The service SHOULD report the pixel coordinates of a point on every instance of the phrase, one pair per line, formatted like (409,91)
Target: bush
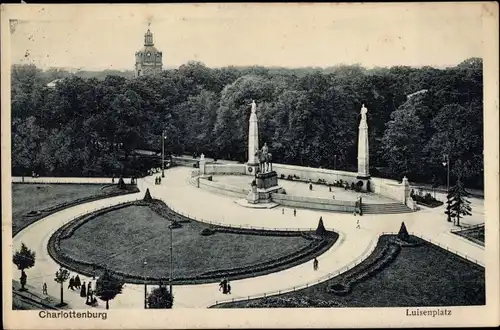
(207,232)
(282,176)
(175,225)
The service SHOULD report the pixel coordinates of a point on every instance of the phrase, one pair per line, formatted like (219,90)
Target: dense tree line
(308,117)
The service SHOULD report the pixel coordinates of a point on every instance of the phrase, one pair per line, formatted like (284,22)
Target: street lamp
(163,137)
(171,263)
(334,162)
(145,284)
(447,164)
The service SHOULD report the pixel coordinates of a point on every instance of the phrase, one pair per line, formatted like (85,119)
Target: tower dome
(148,60)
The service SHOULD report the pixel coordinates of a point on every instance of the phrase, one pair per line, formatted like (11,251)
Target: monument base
(266,184)
(251,169)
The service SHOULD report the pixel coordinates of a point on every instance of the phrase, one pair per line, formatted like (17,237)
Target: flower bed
(317,246)
(385,257)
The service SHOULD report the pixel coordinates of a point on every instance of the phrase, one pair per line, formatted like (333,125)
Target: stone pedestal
(407,190)
(202,164)
(267,180)
(251,168)
(363,150)
(253,136)
(266,184)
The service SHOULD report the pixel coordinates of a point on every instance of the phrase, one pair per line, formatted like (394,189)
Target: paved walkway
(205,206)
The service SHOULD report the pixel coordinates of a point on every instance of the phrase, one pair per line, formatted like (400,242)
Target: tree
(403,233)
(24,259)
(403,140)
(62,276)
(108,286)
(160,298)
(458,205)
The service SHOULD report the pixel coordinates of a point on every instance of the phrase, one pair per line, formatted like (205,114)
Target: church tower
(148,60)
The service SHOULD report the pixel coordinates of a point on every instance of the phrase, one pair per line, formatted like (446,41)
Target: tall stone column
(363,151)
(253,136)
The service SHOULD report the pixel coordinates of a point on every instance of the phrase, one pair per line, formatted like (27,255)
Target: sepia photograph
(249,161)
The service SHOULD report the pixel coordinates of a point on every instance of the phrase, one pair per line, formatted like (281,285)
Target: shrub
(403,233)
(282,176)
(207,232)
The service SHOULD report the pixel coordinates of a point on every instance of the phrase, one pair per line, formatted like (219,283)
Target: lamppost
(145,284)
(447,164)
(171,263)
(334,162)
(163,137)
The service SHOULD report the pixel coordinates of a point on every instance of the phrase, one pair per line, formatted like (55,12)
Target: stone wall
(231,169)
(313,174)
(385,187)
(223,188)
(315,203)
(388,188)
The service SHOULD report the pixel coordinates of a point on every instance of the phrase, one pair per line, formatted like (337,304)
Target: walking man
(283,211)
(315,264)
(294,212)
(44,288)
(358,226)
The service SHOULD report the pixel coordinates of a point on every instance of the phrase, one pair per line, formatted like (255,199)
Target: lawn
(424,275)
(124,238)
(475,235)
(33,197)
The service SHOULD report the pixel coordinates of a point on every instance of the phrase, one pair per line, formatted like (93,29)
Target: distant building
(422,91)
(148,60)
(53,83)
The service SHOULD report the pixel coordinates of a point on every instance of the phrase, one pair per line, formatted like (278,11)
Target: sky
(286,35)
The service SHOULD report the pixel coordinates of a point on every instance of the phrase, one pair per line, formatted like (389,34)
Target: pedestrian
(283,211)
(221,285)
(44,288)
(294,212)
(333,196)
(330,189)
(310,186)
(71,283)
(228,288)
(315,264)
(113,179)
(83,291)
(89,289)
(78,283)
(358,226)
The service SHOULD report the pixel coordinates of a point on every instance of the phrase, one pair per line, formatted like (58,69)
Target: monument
(253,141)
(363,158)
(260,165)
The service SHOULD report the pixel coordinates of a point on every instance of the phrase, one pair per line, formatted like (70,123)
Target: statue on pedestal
(363,112)
(265,158)
(254,106)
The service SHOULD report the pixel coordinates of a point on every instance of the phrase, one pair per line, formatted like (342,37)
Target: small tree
(403,233)
(62,276)
(160,298)
(108,287)
(457,205)
(147,196)
(320,230)
(24,259)
(121,184)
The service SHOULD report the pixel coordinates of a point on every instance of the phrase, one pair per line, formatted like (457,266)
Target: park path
(176,191)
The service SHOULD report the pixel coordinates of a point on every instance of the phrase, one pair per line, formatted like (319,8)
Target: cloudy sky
(287,35)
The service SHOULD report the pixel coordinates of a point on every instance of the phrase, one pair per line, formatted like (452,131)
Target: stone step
(387,208)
